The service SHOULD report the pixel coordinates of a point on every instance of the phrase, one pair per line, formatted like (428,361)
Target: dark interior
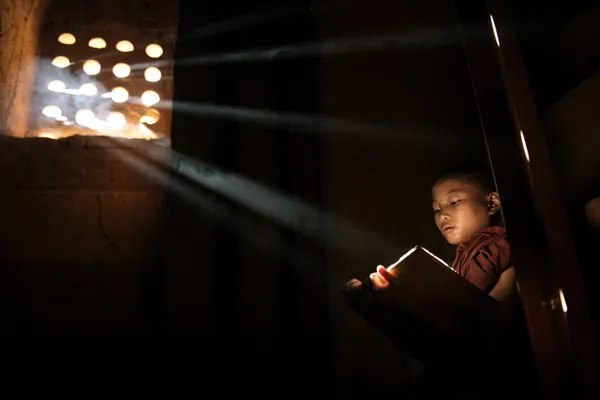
(304,140)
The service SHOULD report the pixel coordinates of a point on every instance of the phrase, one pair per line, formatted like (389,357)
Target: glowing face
(461,209)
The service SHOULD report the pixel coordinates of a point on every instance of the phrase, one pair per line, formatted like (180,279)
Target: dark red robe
(483,257)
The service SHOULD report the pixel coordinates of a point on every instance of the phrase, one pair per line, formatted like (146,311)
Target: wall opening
(100,69)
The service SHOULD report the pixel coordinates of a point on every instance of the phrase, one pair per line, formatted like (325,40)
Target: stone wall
(81,249)
(79,198)
(82,240)
(19,27)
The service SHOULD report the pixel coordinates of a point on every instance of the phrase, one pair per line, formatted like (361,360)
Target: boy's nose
(444,216)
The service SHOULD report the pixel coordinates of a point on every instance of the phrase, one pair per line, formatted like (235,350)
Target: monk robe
(466,366)
(483,257)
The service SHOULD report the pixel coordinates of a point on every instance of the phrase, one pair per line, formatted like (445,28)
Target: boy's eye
(436,210)
(455,202)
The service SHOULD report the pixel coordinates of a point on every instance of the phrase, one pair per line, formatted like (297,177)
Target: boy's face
(461,208)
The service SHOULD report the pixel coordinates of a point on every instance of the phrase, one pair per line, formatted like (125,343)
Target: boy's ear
(493,203)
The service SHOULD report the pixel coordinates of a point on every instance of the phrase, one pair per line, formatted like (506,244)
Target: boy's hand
(382,278)
(351,284)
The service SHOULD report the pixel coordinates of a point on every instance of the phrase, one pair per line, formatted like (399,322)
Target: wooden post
(563,339)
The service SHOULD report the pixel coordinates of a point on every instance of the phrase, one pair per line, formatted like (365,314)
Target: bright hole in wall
(524,144)
(143,128)
(69,115)
(154,51)
(150,97)
(495,31)
(52,111)
(152,74)
(125,46)
(116,120)
(85,117)
(91,67)
(57,86)
(121,70)
(61,62)
(150,117)
(88,89)
(119,94)
(97,43)
(49,135)
(66,38)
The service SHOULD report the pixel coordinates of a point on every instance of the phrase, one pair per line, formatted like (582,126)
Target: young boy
(466,210)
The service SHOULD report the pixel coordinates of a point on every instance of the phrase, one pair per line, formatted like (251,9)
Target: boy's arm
(488,264)
(406,331)
(506,288)
(429,330)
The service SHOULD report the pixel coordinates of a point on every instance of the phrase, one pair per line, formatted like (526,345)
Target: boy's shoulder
(489,249)
(490,236)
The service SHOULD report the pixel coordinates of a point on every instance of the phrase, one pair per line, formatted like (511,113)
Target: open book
(431,312)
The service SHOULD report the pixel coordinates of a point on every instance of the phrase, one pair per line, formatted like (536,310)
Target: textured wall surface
(82,238)
(78,198)
(19,24)
(80,249)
